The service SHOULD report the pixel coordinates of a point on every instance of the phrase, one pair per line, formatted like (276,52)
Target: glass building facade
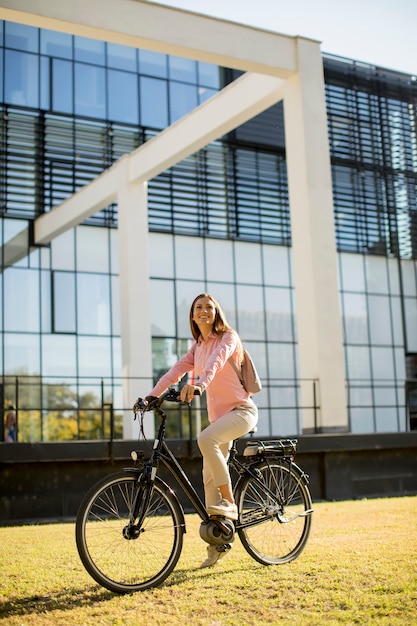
(219,221)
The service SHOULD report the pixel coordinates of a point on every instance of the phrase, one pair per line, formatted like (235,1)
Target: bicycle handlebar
(151,403)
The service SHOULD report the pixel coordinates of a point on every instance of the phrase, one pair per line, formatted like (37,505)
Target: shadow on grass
(62,601)
(76,598)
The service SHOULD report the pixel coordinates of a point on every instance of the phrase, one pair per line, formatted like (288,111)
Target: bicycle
(130,525)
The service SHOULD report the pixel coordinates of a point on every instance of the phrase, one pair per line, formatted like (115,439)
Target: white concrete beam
(98,194)
(320,339)
(16,249)
(235,104)
(162,29)
(135,320)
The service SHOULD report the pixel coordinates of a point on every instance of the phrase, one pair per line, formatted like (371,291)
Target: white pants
(215,442)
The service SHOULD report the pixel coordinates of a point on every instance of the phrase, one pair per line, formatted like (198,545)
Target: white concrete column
(134,299)
(320,339)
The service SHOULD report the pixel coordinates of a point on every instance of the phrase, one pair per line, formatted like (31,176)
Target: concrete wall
(47,481)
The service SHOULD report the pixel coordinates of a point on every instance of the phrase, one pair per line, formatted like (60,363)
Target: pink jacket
(216,376)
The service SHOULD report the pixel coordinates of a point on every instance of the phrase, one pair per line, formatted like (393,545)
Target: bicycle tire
(126,565)
(274,529)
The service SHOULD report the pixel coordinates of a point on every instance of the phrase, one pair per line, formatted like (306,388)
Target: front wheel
(275,512)
(120,556)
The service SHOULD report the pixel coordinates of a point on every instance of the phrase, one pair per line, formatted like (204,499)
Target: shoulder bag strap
(235,367)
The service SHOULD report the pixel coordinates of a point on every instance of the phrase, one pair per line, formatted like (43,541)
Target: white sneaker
(214,554)
(223,507)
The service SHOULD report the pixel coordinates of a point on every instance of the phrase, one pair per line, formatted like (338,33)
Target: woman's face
(204,312)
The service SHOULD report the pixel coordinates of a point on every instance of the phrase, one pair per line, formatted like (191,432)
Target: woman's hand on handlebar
(189,391)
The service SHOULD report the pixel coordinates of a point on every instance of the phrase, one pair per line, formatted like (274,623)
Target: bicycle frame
(161,453)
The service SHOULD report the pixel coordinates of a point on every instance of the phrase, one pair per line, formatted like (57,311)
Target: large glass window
(276,265)
(186,291)
(22,79)
(63,251)
(358,363)
(59,356)
(115,305)
(1,75)
(162,308)
(64,319)
(21,37)
(21,288)
(219,254)
(93,304)
(45,83)
(153,63)
(189,258)
(121,57)
(153,102)
(92,249)
(56,44)
(94,356)
(248,264)
(21,354)
(161,255)
(89,50)
(410,306)
(208,75)
(90,92)
(123,97)
(184,70)
(62,86)
(182,100)
(250,312)
(225,296)
(355,318)
(279,315)
(380,320)
(164,356)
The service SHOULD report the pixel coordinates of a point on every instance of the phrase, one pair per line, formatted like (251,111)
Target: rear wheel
(274,513)
(118,555)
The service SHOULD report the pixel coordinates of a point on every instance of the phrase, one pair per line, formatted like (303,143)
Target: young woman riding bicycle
(231,410)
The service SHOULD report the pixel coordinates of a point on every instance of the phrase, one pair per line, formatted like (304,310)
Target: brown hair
(220,325)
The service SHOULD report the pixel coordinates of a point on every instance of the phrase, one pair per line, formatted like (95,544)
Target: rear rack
(279,447)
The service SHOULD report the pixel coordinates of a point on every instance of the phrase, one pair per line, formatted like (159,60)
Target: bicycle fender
(304,477)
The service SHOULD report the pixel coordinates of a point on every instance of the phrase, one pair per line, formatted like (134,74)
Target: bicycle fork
(141,502)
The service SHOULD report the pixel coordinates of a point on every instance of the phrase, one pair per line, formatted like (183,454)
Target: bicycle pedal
(224,548)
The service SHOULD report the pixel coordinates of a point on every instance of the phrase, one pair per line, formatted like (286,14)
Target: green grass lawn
(359,567)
